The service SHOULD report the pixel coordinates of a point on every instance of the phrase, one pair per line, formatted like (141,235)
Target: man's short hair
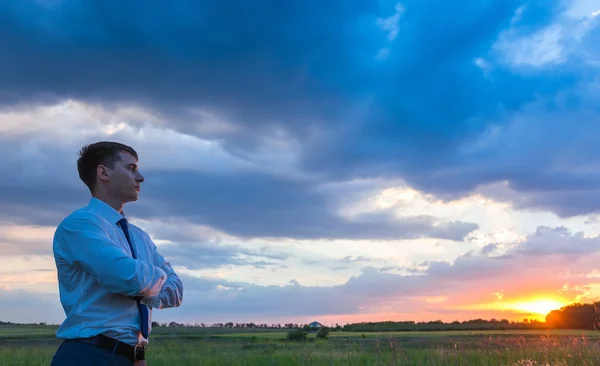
(99,153)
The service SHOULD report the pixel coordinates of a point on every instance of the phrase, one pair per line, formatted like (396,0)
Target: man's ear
(103,173)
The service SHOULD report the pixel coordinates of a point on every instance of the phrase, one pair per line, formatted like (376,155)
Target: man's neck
(112,202)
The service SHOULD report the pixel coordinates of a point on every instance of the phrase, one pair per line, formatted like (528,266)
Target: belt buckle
(139,352)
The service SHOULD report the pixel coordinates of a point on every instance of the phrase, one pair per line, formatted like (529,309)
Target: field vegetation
(476,342)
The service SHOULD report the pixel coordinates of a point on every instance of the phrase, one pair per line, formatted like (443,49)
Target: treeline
(575,316)
(438,325)
(249,325)
(4,323)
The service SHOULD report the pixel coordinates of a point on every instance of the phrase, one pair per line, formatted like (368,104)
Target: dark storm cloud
(313,71)
(268,63)
(250,205)
(42,187)
(255,62)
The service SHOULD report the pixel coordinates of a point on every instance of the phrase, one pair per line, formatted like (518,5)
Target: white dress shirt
(97,275)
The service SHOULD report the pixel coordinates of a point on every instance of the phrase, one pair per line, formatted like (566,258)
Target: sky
(339,161)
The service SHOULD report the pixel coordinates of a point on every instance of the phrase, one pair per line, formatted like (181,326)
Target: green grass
(30,345)
(433,334)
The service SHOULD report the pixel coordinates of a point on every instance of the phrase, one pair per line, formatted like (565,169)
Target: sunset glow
(532,308)
(538,306)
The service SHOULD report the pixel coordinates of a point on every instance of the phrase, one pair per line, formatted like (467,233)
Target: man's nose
(140,177)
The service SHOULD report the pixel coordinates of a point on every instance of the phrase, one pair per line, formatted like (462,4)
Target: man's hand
(139,363)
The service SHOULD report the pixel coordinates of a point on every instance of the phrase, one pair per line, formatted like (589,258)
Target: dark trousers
(74,352)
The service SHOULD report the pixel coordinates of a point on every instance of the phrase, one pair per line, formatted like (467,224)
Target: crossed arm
(86,243)
(171,293)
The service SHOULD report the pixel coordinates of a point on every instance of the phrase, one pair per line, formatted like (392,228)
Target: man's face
(124,179)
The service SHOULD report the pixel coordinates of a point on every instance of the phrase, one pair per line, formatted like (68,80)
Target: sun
(533,308)
(538,306)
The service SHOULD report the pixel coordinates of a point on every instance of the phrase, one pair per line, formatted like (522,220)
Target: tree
(297,335)
(575,316)
(323,333)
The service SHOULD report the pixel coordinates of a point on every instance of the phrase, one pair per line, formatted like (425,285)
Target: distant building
(315,325)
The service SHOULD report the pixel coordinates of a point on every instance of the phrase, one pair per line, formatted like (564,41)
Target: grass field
(34,345)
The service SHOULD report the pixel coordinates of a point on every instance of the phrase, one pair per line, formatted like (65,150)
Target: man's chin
(133,198)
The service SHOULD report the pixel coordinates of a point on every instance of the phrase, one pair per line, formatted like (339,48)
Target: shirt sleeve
(85,243)
(171,294)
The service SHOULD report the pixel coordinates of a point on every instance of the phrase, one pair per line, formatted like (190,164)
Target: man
(110,273)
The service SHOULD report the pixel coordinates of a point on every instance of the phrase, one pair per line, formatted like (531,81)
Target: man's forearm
(171,293)
(170,296)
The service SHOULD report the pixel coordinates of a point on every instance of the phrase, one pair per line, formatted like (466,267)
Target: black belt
(133,353)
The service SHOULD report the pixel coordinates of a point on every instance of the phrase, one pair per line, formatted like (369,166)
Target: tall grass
(509,350)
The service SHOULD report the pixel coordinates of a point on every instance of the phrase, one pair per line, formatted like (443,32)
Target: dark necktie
(143,309)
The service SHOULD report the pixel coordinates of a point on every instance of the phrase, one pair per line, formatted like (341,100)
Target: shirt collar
(105,210)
